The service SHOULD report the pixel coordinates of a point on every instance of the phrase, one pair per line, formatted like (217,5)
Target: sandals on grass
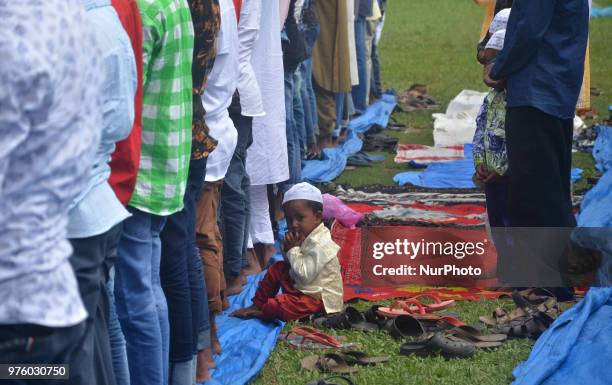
(340,362)
(438,344)
(350,318)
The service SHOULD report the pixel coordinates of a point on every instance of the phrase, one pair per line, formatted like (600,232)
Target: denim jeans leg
(53,346)
(157,225)
(137,301)
(298,112)
(234,204)
(312,98)
(308,133)
(181,373)
(293,151)
(360,91)
(117,340)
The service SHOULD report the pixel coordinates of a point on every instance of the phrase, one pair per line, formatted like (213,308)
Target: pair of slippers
(536,309)
(416,308)
(341,362)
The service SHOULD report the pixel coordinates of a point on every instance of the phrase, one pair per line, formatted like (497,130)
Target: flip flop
(330,362)
(324,381)
(477,344)
(474,334)
(405,326)
(316,336)
(502,317)
(398,308)
(437,344)
(437,305)
(353,357)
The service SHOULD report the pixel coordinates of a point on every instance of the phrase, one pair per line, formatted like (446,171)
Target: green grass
(433,42)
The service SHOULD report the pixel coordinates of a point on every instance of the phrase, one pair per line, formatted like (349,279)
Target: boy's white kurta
(220,87)
(267,157)
(315,269)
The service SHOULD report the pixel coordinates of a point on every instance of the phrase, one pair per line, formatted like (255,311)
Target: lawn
(433,42)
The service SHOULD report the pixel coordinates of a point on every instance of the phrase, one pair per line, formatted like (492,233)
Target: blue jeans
(235,206)
(341,112)
(140,300)
(298,111)
(293,138)
(360,91)
(117,340)
(181,270)
(309,102)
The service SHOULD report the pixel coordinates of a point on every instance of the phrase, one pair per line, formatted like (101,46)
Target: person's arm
(248,30)
(306,265)
(529,21)
(152,31)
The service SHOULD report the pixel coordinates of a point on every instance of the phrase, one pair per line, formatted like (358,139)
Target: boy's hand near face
(292,239)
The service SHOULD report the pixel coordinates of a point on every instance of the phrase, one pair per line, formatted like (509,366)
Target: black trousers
(540,160)
(539,199)
(91,362)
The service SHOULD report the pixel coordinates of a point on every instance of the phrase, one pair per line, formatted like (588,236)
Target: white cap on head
(496,41)
(500,21)
(304,191)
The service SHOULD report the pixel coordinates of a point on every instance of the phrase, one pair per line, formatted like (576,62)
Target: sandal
(438,345)
(405,326)
(330,362)
(315,335)
(371,315)
(403,308)
(350,318)
(324,381)
(437,305)
(353,357)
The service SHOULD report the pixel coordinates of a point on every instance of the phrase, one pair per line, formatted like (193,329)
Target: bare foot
(253,267)
(247,312)
(234,286)
(324,142)
(243,278)
(264,253)
(202,373)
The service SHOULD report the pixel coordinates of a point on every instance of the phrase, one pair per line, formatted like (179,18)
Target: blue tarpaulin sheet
(576,349)
(247,344)
(452,174)
(334,159)
(601,11)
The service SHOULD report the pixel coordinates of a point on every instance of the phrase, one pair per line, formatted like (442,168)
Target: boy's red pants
(292,304)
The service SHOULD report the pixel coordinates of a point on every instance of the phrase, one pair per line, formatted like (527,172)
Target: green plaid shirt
(167,106)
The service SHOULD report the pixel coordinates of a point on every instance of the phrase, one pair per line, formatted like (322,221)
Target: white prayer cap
(500,21)
(496,41)
(304,191)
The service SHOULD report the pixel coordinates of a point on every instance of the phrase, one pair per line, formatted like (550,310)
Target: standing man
(50,124)
(160,187)
(94,223)
(542,62)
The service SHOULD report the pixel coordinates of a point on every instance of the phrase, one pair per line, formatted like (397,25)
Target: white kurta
(352,46)
(220,87)
(267,161)
(248,31)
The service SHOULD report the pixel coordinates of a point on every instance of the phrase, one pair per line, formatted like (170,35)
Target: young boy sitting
(489,143)
(310,274)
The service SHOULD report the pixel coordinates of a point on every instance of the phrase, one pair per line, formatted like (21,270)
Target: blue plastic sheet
(576,349)
(601,11)
(334,159)
(247,344)
(453,174)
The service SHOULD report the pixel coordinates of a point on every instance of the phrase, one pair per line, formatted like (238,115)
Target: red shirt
(126,158)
